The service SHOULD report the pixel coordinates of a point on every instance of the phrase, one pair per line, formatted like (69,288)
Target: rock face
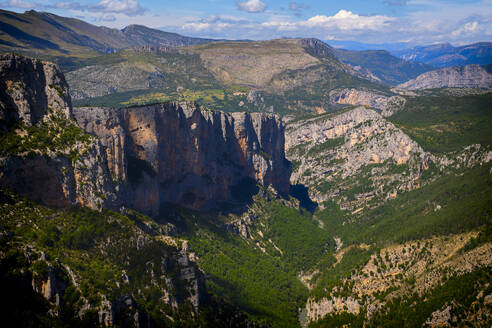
(470,76)
(388,105)
(49,160)
(179,153)
(340,157)
(28,88)
(426,261)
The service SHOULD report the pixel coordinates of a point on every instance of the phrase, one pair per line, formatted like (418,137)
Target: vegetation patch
(447,123)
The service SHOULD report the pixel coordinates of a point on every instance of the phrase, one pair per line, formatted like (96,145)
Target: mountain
(382,182)
(389,204)
(469,76)
(43,148)
(138,35)
(446,55)
(138,154)
(283,76)
(51,35)
(382,64)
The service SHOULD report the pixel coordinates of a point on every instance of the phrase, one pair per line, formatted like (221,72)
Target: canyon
(142,157)
(164,181)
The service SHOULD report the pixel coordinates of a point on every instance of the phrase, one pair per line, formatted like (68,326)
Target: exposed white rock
(470,76)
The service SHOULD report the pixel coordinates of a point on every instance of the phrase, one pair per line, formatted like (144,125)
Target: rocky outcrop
(179,153)
(415,267)
(29,88)
(316,310)
(387,104)
(470,76)
(169,270)
(44,155)
(358,150)
(56,180)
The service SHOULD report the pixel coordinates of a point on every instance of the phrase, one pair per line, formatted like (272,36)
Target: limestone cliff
(142,157)
(44,155)
(179,153)
(137,158)
(28,88)
(353,157)
(388,105)
(470,76)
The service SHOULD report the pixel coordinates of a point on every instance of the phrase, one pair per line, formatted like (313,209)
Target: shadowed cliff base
(301,193)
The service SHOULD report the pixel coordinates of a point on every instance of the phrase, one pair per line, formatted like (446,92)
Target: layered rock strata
(179,153)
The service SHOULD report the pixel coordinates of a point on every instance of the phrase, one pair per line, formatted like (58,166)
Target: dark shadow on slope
(300,192)
(29,39)
(244,190)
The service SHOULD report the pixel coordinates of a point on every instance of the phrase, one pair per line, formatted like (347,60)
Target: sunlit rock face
(181,154)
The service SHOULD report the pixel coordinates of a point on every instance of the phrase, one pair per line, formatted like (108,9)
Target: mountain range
(446,55)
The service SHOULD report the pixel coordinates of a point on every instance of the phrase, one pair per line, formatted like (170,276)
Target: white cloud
(252,6)
(209,27)
(214,23)
(343,20)
(347,20)
(127,7)
(468,28)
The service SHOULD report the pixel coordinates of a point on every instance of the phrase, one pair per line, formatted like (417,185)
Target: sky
(366,21)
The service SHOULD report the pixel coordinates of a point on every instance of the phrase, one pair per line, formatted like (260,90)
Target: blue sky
(368,21)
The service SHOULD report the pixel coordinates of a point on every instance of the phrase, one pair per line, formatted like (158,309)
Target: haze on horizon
(412,22)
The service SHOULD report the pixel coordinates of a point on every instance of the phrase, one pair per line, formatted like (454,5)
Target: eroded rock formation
(470,76)
(179,153)
(44,155)
(139,157)
(387,104)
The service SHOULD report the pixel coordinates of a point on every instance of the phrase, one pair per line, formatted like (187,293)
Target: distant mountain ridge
(388,68)
(446,55)
(469,76)
(49,34)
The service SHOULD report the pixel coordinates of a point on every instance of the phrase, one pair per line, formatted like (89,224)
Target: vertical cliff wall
(29,88)
(179,153)
(44,155)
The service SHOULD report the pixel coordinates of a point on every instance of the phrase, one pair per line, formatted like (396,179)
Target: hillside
(383,186)
(53,36)
(446,55)
(469,76)
(387,68)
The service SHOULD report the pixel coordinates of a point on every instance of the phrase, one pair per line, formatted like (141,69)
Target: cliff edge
(140,157)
